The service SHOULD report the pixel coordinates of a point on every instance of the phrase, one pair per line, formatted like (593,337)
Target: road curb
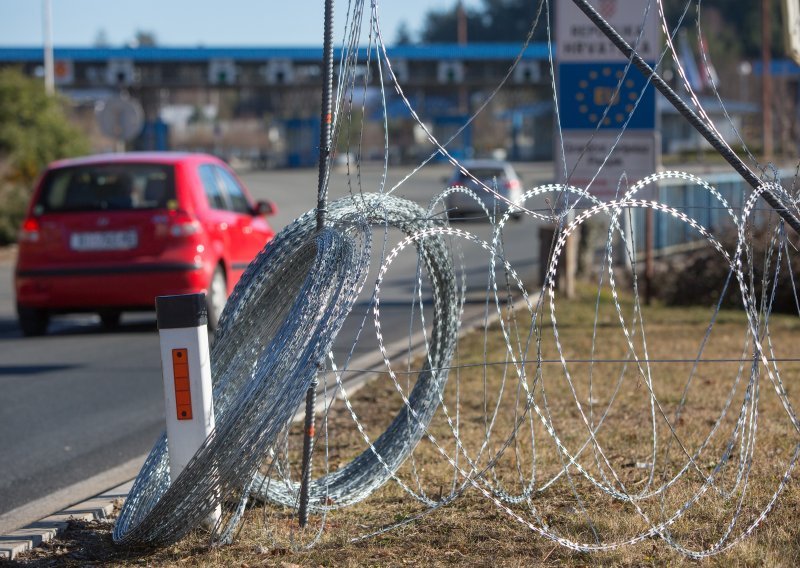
(94,509)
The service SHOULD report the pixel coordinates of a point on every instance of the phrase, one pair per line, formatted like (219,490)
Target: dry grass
(473,531)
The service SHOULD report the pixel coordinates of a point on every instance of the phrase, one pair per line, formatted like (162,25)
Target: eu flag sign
(592,94)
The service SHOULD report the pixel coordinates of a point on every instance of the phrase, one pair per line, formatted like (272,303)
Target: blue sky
(198,22)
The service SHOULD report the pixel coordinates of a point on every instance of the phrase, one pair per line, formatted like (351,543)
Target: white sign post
(607,109)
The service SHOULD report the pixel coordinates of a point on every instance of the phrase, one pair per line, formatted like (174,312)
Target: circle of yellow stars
(602,96)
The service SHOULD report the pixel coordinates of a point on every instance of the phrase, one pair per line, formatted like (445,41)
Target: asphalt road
(82,401)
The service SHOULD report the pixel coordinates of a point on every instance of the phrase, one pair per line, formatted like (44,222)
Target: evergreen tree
(510,21)
(496,21)
(34,130)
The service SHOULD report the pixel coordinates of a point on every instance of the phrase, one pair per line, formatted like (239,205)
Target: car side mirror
(265,207)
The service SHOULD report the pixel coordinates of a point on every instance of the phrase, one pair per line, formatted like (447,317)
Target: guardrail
(672,235)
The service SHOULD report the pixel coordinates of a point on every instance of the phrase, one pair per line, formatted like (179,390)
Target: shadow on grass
(89,543)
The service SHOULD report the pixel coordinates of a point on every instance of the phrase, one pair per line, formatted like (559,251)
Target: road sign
(120,119)
(64,72)
(599,95)
(632,155)
(579,40)
(587,89)
(791,28)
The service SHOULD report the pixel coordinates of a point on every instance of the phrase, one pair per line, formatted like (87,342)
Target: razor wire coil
(371,469)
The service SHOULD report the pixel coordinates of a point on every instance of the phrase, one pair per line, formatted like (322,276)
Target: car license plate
(103,240)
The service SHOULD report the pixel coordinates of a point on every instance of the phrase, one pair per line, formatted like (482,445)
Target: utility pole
(47,31)
(461,34)
(766,78)
(461,17)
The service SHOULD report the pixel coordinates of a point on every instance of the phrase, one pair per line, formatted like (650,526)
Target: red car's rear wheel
(32,321)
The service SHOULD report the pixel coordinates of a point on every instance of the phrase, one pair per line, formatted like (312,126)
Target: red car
(109,233)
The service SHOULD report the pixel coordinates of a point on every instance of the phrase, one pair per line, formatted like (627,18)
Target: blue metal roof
(470,51)
(476,51)
(32,54)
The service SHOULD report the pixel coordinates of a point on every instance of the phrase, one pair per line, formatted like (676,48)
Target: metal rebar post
(308,442)
(326,118)
(322,197)
(729,156)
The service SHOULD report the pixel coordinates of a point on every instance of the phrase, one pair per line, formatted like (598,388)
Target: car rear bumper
(128,286)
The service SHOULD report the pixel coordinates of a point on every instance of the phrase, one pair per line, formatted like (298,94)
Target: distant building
(210,89)
(261,103)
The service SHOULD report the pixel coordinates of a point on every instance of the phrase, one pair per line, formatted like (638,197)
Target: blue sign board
(586,89)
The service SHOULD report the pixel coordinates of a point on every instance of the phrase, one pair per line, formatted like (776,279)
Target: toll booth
(302,142)
(154,136)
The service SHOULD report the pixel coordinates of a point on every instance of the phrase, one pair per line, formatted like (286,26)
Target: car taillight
(181,224)
(29,232)
(512,184)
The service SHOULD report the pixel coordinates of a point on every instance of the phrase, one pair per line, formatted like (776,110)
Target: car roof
(499,164)
(135,158)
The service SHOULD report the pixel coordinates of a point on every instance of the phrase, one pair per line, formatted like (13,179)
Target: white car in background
(497,175)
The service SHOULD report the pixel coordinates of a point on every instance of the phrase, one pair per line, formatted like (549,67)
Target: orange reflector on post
(183,394)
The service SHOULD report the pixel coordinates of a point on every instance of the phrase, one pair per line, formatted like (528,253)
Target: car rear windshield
(483,174)
(99,187)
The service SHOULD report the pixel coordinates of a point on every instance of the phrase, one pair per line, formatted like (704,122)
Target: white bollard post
(186,369)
